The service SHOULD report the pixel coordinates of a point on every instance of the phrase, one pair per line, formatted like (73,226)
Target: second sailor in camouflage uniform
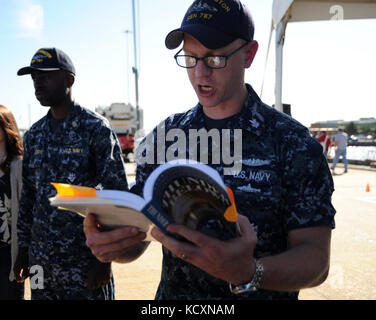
(69,145)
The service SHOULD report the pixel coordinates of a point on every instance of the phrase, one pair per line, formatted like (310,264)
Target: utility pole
(134,69)
(127,32)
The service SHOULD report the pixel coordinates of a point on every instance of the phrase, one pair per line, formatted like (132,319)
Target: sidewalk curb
(356,167)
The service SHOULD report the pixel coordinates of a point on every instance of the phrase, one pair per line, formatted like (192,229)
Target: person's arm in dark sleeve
(109,174)
(25,218)
(109,164)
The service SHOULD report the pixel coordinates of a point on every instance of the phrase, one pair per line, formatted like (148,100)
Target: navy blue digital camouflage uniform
(284,184)
(85,151)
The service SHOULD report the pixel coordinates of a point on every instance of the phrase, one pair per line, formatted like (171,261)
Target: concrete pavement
(353,257)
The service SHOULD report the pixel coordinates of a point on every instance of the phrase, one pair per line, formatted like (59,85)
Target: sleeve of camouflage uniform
(25,218)
(109,164)
(149,154)
(143,171)
(146,159)
(308,184)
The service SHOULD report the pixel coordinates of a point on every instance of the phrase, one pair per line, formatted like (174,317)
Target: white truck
(123,119)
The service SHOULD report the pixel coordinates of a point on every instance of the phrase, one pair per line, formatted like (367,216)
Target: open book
(183,192)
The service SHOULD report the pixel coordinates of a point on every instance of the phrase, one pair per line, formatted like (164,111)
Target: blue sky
(329,67)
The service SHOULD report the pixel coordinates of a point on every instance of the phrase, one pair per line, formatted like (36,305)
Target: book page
(120,211)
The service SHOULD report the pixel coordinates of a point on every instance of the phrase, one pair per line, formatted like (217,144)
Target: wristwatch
(253,285)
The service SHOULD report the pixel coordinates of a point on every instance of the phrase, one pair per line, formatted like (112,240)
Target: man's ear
(251,50)
(70,79)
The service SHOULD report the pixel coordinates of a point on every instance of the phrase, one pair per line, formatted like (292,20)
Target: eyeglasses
(212,62)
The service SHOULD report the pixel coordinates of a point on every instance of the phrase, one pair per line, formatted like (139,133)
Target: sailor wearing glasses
(282,191)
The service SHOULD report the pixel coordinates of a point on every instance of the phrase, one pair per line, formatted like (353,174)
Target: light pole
(127,32)
(135,68)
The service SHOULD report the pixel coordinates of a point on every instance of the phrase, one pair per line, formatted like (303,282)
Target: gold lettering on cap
(205,15)
(47,54)
(223,4)
(192,16)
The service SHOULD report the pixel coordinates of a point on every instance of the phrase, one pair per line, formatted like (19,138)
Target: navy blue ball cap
(215,23)
(49,59)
